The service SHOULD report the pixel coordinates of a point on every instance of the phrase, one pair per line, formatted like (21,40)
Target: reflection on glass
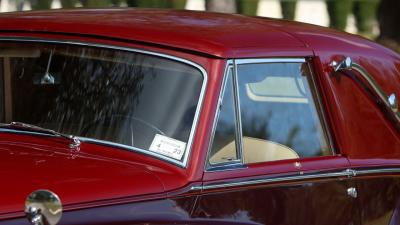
(279,118)
(111,95)
(224,147)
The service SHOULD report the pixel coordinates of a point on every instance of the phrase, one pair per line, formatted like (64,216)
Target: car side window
(224,145)
(278,115)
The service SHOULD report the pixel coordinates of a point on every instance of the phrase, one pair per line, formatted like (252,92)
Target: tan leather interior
(255,150)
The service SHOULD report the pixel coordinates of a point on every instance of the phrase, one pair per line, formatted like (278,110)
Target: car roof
(213,34)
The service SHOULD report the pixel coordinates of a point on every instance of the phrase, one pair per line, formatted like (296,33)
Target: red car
(124,116)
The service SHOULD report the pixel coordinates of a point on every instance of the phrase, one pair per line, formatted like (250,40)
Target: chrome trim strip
(188,149)
(234,164)
(238,116)
(376,88)
(270,60)
(26,132)
(348,173)
(389,101)
(276,179)
(377,171)
(228,66)
(130,148)
(85,139)
(196,188)
(231,165)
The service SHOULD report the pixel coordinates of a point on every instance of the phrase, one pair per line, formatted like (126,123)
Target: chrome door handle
(352,192)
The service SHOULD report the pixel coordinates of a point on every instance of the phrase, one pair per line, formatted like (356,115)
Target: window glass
(278,113)
(224,146)
(135,99)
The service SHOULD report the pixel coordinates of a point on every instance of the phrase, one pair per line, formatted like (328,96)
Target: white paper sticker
(168,146)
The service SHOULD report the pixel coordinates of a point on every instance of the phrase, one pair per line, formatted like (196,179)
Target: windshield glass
(140,100)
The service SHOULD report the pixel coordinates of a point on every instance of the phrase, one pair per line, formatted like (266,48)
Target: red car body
(102,184)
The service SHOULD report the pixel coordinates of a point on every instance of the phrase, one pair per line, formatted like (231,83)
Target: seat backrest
(255,150)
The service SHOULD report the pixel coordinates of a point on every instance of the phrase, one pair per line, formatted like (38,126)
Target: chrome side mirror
(390,101)
(345,64)
(43,207)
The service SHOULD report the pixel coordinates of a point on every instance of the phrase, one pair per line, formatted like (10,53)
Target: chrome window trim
(5,130)
(345,174)
(182,163)
(239,132)
(208,166)
(376,171)
(270,60)
(316,94)
(231,165)
(367,82)
(235,62)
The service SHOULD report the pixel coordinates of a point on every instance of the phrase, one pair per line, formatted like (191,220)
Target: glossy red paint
(214,34)
(362,136)
(101,178)
(379,191)
(79,177)
(165,176)
(368,134)
(174,211)
(283,203)
(204,130)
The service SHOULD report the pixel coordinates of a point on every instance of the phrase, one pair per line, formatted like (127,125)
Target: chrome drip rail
(389,101)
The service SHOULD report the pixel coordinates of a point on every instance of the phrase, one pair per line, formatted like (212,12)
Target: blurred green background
(374,19)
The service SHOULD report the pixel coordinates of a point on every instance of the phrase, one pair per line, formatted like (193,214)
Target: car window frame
(316,96)
(234,163)
(189,146)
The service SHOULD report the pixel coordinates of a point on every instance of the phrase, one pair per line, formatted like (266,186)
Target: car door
(373,147)
(272,160)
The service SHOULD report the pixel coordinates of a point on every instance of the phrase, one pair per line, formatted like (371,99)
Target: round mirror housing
(43,207)
(347,63)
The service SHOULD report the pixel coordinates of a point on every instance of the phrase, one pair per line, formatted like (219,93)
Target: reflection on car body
(180,117)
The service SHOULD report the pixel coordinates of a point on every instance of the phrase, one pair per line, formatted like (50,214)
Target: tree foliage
(389,18)
(96,3)
(177,4)
(365,14)
(338,11)
(247,7)
(41,4)
(68,3)
(46,4)
(288,8)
